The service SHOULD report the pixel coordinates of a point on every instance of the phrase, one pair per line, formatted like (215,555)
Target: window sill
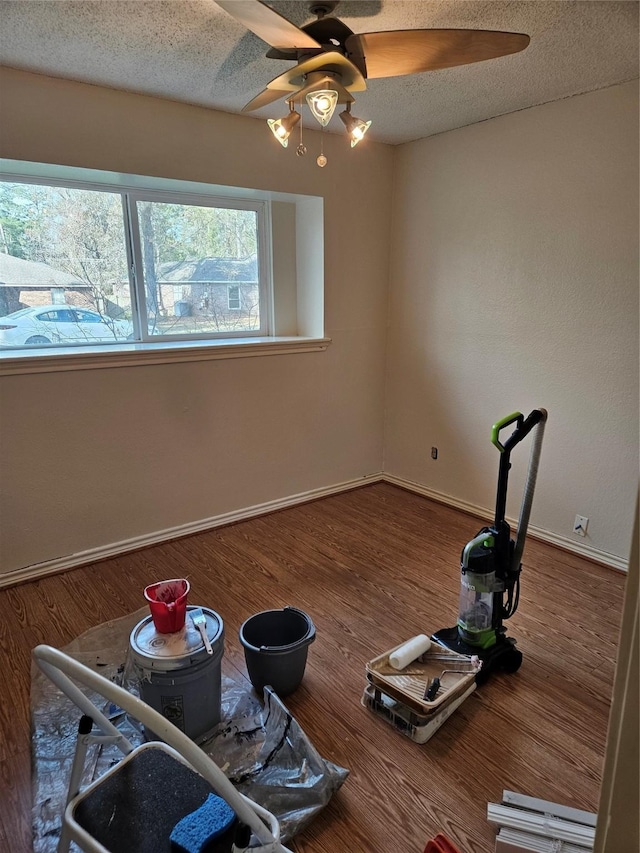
(133,355)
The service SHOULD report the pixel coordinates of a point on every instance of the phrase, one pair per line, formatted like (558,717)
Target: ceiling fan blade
(267,24)
(397,52)
(267,96)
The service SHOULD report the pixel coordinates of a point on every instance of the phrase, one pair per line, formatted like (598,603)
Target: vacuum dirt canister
(480,592)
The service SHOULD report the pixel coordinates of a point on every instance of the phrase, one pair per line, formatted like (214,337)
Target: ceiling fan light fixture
(322,104)
(356,127)
(282,127)
(359,131)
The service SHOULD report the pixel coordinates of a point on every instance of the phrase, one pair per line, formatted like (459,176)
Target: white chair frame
(60,669)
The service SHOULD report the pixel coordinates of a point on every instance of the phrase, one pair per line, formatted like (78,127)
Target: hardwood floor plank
(372,567)
(15,800)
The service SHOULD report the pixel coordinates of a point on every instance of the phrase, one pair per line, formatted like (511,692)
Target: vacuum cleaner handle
(500,425)
(529,487)
(509,558)
(522,430)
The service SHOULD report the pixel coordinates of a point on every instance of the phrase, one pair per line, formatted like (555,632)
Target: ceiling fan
(333,61)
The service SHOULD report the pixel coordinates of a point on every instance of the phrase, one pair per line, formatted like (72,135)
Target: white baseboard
(115,549)
(563,542)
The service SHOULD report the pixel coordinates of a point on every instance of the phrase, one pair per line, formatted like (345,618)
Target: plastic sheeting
(261,748)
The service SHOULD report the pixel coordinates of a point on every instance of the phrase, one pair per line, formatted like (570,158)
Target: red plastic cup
(168,604)
(440,844)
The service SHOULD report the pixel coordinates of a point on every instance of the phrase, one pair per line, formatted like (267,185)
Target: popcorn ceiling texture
(193,51)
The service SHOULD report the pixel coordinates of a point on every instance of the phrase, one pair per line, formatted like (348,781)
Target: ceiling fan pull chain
(301,150)
(322,160)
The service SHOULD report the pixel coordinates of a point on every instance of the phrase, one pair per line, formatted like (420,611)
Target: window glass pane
(62,246)
(191,256)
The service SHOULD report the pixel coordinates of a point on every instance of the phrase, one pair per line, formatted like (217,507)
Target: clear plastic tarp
(260,747)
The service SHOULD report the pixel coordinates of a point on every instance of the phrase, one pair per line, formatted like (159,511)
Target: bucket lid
(181,649)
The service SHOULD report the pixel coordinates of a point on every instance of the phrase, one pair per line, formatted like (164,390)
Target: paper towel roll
(409,651)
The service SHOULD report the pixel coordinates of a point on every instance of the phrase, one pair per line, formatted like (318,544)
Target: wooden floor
(372,567)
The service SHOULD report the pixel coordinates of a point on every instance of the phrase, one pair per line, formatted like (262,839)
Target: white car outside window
(54,324)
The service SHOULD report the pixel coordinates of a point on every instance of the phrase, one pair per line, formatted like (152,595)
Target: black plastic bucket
(276,643)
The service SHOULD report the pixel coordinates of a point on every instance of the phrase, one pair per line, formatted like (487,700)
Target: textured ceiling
(193,51)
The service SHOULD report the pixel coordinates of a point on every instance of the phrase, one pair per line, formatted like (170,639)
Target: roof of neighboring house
(210,270)
(16,272)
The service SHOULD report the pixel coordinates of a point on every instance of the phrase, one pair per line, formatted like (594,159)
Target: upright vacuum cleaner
(490,563)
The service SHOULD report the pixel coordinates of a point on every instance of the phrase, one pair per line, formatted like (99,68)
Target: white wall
(95,457)
(514,284)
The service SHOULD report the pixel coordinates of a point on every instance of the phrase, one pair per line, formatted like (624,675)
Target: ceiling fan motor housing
(321,9)
(330,34)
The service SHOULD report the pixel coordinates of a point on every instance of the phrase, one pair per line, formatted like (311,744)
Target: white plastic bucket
(178,678)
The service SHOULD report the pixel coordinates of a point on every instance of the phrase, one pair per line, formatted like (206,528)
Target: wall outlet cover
(580,525)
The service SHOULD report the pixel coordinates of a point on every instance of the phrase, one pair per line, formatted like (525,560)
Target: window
(142,266)
(201,248)
(233,298)
(174,270)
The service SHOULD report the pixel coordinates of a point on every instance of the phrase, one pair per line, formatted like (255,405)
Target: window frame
(136,270)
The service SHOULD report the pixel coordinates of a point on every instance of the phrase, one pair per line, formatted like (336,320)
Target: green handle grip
(500,425)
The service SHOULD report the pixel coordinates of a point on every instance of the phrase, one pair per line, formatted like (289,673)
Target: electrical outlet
(580,525)
(434,452)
